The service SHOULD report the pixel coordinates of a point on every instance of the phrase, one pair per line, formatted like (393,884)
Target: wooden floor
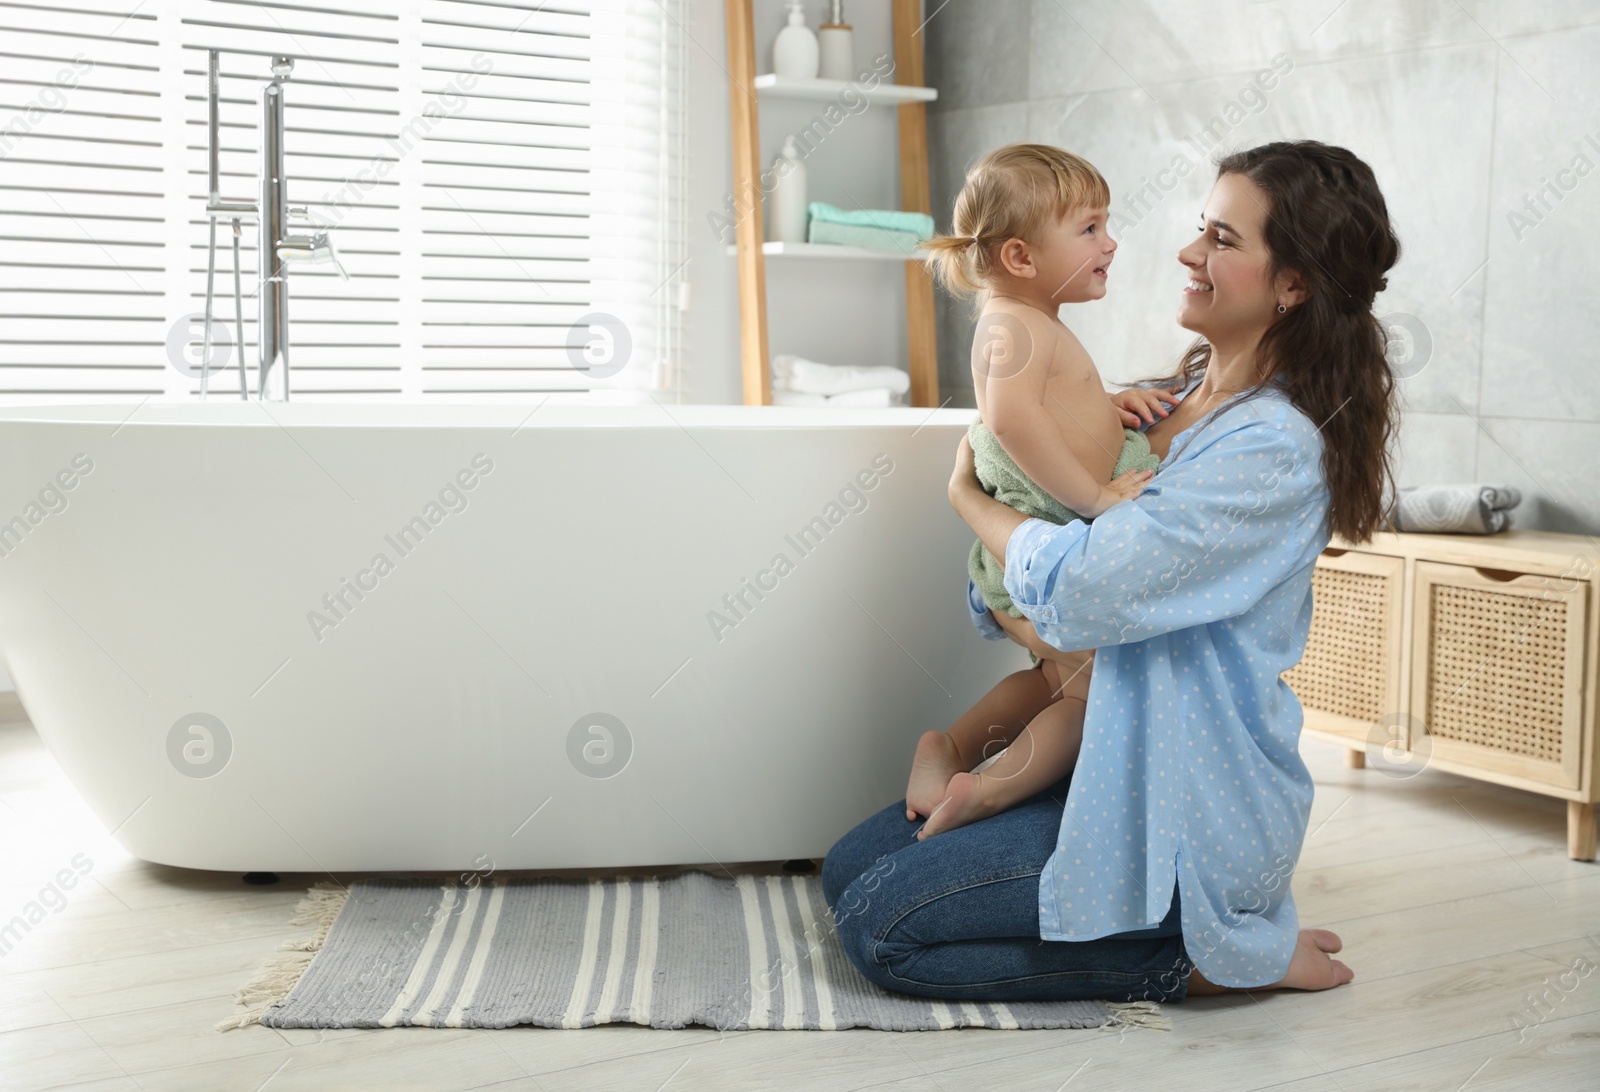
(1459,909)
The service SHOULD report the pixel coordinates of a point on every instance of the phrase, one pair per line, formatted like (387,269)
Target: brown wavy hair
(1326,221)
(1011,193)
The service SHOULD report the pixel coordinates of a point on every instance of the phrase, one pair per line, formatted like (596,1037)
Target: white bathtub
(536,678)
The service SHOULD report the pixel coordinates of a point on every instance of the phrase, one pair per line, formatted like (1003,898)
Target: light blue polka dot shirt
(1197,595)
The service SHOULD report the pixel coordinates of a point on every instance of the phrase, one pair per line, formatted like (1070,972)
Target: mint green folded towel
(1003,480)
(919,224)
(902,243)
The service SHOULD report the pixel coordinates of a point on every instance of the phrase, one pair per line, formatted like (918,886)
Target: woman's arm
(994,522)
(1243,508)
(990,519)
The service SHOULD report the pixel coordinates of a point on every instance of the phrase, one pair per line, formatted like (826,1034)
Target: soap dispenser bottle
(795,53)
(835,38)
(789,200)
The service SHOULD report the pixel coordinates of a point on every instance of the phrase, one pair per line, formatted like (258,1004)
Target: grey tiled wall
(1481,119)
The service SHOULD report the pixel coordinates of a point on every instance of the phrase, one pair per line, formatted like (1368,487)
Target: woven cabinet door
(1349,679)
(1497,670)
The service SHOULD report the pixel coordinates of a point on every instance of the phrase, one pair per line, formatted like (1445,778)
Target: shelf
(831,250)
(749,97)
(791,87)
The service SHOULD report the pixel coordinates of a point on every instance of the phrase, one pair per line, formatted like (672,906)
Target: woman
(1167,867)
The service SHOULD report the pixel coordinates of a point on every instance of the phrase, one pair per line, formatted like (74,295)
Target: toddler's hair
(1011,193)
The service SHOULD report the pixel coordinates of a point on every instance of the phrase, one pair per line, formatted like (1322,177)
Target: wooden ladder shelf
(915,196)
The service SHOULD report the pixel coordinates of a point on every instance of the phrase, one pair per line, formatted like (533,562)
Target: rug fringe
(278,975)
(1137,1014)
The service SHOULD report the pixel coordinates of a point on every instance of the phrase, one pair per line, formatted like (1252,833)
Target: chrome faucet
(276,250)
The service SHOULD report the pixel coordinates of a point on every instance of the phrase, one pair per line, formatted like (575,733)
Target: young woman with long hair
(1166,869)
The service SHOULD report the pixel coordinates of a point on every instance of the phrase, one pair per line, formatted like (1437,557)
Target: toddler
(1029,235)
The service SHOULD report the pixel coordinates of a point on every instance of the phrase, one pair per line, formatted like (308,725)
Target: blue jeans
(956,916)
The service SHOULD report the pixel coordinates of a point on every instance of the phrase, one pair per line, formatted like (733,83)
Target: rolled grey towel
(1474,509)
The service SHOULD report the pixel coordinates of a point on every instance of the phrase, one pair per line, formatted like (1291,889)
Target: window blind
(502,180)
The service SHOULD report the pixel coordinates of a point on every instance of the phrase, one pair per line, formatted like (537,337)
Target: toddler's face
(1074,255)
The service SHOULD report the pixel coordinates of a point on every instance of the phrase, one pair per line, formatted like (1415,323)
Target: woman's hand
(1138,405)
(992,521)
(1022,632)
(964,478)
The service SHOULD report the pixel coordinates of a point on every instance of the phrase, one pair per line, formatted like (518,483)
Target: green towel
(1003,480)
(890,242)
(919,224)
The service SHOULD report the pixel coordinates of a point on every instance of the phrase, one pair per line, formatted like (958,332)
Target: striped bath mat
(665,951)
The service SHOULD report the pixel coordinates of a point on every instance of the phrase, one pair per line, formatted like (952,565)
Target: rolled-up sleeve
(1207,539)
(981,617)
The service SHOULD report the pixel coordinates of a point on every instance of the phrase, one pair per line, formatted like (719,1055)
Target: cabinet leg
(1356,760)
(1580,830)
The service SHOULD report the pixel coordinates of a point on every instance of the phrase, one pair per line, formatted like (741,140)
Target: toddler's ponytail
(957,262)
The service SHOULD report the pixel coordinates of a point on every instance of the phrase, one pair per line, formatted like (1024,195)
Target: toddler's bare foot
(1309,969)
(964,802)
(936,761)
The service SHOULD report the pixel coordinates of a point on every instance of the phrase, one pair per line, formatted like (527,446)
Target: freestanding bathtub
(427,637)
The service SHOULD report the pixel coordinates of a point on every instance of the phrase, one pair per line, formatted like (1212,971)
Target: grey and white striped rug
(663,951)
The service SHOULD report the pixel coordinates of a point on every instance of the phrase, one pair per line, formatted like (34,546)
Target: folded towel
(1005,482)
(1501,496)
(872,399)
(1474,509)
(794,373)
(919,224)
(903,243)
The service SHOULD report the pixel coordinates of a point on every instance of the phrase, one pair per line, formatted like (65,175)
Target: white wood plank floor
(1459,910)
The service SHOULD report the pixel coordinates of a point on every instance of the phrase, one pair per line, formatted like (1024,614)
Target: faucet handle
(322,242)
(316,248)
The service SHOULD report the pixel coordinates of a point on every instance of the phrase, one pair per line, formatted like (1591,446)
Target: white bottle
(786,221)
(794,51)
(838,49)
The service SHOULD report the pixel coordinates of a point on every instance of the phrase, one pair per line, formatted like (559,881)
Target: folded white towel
(795,373)
(872,399)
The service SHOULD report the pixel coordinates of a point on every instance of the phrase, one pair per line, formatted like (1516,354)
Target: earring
(1281,308)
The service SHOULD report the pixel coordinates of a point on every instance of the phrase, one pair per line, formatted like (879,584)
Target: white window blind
(503,180)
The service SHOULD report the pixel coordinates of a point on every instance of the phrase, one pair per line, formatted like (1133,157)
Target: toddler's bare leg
(1072,670)
(1041,755)
(997,719)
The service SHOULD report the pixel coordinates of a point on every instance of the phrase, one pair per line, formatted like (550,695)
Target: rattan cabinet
(1471,654)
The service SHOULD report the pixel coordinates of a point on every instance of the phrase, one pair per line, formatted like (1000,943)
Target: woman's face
(1229,297)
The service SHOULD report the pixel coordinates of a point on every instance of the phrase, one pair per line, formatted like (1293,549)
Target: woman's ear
(1290,289)
(1016,259)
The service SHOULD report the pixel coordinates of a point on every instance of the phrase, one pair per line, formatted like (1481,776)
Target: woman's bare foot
(936,761)
(1309,968)
(965,801)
